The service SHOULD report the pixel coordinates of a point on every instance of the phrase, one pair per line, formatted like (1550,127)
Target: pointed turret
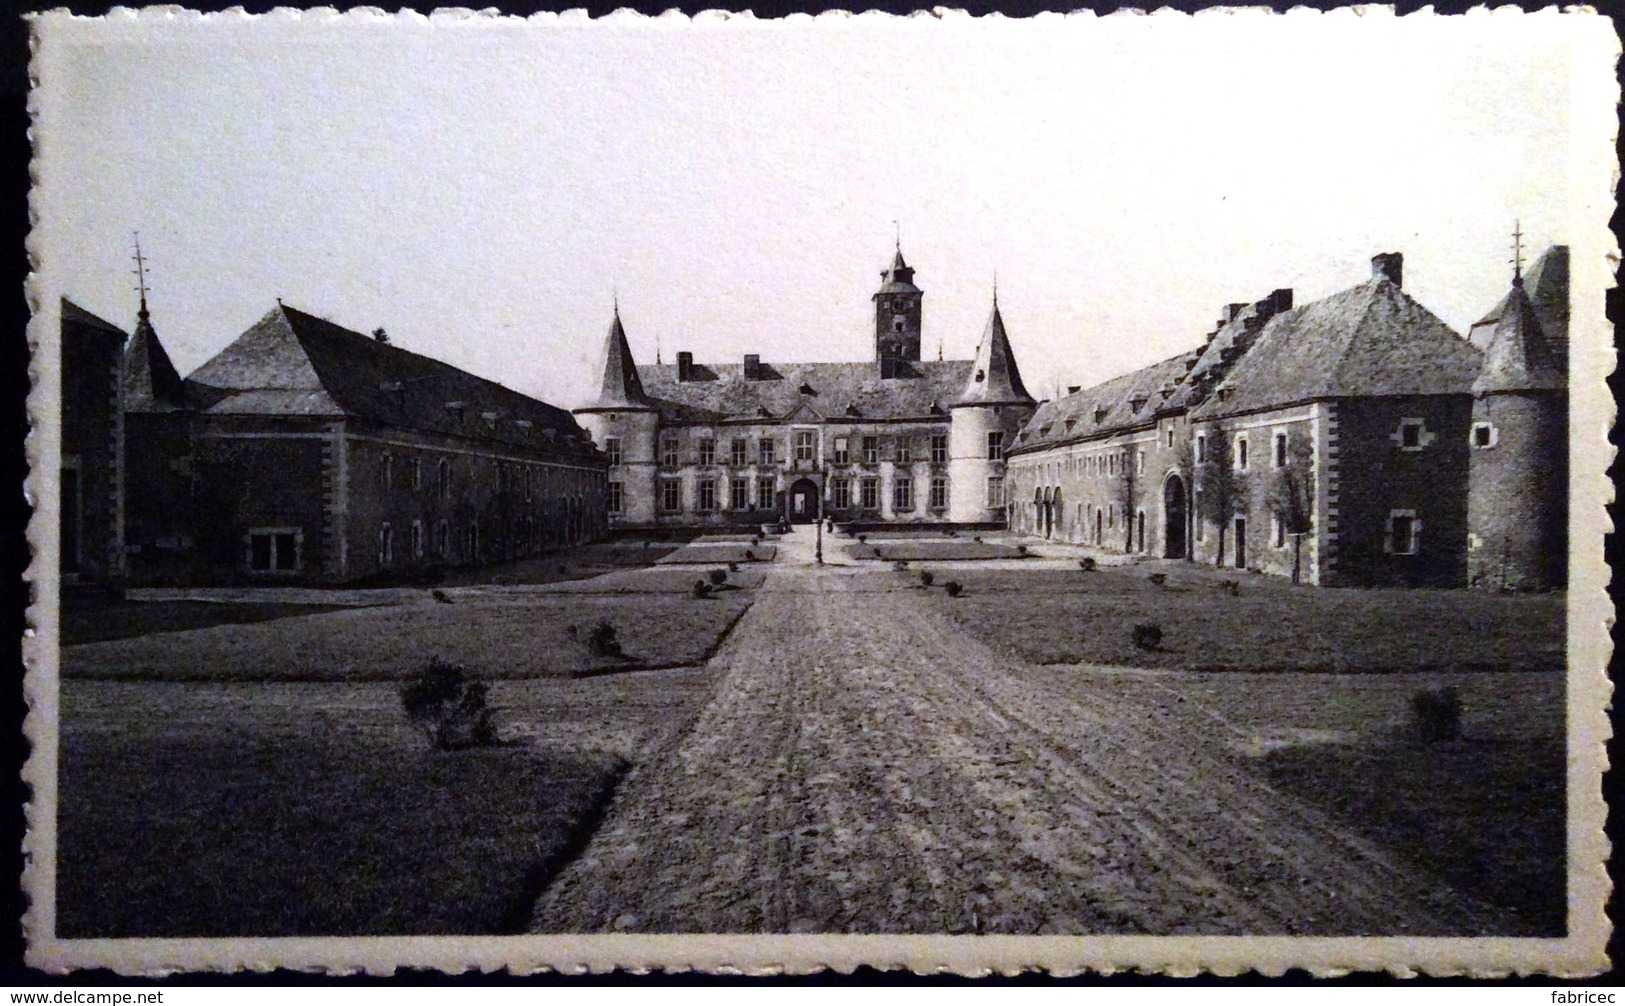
(1518,357)
(151,382)
(995,379)
(621,389)
(897,318)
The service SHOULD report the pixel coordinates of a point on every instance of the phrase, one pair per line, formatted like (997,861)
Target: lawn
(574,564)
(513,636)
(721,552)
(281,809)
(103,620)
(1063,616)
(934,551)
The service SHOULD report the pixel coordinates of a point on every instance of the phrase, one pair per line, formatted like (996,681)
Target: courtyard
(837,748)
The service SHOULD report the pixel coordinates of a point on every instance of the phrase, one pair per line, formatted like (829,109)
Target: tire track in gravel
(865,765)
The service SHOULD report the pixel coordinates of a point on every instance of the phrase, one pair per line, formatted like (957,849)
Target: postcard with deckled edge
(1081,493)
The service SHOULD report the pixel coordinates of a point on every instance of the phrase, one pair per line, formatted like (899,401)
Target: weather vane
(140,273)
(1517,251)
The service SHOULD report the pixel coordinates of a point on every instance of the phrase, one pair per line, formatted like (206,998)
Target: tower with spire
(1518,471)
(991,408)
(897,317)
(625,425)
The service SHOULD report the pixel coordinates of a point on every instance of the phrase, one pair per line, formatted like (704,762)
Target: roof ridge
(1335,371)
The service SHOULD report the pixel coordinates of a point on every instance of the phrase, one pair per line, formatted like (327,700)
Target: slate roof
(73,314)
(1518,358)
(293,363)
(1372,339)
(837,391)
(621,388)
(1101,409)
(897,278)
(1547,284)
(151,382)
(995,379)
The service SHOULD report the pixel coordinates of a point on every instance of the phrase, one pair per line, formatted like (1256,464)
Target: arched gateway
(1175,518)
(802,502)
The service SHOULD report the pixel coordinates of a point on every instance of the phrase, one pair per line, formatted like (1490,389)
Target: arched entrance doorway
(802,502)
(1175,518)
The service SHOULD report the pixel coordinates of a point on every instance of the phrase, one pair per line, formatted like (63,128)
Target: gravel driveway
(868,766)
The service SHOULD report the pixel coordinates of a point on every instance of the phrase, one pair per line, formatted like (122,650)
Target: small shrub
(442,596)
(978,538)
(448,708)
(926,576)
(1148,635)
(953,587)
(1088,564)
(863,538)
(1021,549)
(1157,578)
(750,556)
(1231,587)
(1436,713)
(603,641)
(702,589)
(718,577)
(733,567)
(899,565)
(563,569)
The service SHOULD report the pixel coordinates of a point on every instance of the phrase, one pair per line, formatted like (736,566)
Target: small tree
(1291,495)
(449,708)
(1222,484)
(379,335)
(1127,493)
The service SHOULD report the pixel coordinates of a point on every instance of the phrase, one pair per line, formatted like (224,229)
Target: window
(442,538)
(905,453)
(1196,508)
(1484,435)
(1277,532)
(1170,441)
(995,446)
(902,495)
(739,494)
(708,495)
(671,495)
(668,452)
(414,466)
(806,445)
(995,491)
(840,493)
(417,539)
(443,477)
(764,494)
(1403,531)
(273,549)
(1201,448)
(841,456)
(871,450)
(939,449)
(708,451)
(1280,449)
(1139,462)
(939,493)
(616,502)
(387,472)
(1241,453)
(1111,464)
(612,447)
(386,545)
(1111,515)
(737,452)
(1412,435)
(766,449)
(869,491)
(529,475)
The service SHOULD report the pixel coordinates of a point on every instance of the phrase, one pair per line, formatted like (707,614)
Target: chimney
(1282,299)
(753,366)
(685,365)
(1231,310)
(1389,266)
(1073,389)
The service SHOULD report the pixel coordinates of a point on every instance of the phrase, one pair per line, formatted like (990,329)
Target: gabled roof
(1372,339)
(836,391)
(1102,409)
(621,388)
(1518,358)
(151,382)
(994,378)
(73,314)
(293,363)
(1546,283)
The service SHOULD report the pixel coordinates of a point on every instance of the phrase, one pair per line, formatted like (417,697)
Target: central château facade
(893,440)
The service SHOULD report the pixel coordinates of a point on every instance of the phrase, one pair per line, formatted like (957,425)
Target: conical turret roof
(621,388)
(151,382)
(994,378)
(1518,358)
(897,277)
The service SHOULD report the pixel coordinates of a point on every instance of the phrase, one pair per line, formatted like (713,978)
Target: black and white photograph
(945,492)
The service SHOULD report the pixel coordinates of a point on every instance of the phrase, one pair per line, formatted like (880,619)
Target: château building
(895,439)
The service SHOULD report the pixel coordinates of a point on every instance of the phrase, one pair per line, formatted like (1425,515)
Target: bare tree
(1128,485)
(1291,495)
(1223,485)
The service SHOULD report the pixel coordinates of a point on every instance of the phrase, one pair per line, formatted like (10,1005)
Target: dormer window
(1100,414)
(981,375)
(852,410)
(1070,423)
(1136,403)
(807,389)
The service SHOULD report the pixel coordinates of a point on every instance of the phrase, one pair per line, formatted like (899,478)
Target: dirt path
(867,766)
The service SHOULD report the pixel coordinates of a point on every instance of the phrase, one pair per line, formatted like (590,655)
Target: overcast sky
(483,189)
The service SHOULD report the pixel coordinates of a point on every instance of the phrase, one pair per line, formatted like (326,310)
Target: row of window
(806,449)
(840,494)
(510,475)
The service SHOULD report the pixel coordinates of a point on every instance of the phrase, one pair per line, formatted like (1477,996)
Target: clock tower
(897,319)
